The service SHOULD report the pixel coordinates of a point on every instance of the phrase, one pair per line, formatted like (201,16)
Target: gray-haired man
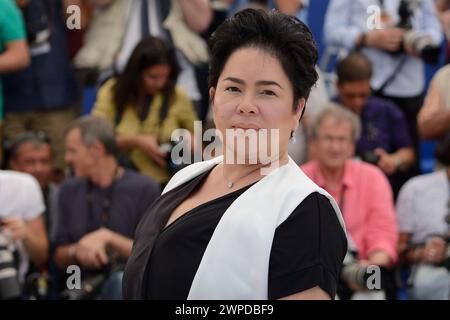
(100,207)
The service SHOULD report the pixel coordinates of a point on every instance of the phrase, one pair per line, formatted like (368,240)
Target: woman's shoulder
(311,207)
(313,214)
(308,249)
(191,171)
(180,96)
(108,85)
(180,92)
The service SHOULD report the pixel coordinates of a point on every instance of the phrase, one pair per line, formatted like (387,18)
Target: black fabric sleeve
(307,250)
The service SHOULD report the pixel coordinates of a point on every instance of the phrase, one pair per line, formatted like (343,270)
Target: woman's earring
(293,139)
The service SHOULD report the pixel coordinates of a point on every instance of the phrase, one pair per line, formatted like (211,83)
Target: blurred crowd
(77,178)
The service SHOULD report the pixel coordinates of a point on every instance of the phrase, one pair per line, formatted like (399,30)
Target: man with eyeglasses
(362,193)
(385,140)
(99,209)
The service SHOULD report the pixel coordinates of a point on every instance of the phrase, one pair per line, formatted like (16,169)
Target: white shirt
(422,206)
(347,19)
(20,197)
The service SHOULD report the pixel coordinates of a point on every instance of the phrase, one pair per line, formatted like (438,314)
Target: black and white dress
(307,248)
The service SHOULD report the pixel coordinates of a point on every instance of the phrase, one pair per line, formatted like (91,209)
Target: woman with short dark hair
(256,228)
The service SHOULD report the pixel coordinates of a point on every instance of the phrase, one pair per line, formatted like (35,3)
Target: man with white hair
(361,189)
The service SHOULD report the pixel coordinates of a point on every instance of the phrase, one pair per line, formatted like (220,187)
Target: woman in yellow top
(146,106)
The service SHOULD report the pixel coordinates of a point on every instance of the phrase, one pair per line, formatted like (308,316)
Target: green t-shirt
(12,28)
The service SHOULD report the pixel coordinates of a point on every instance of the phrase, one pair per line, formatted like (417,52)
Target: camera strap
(392,77)
(106,201)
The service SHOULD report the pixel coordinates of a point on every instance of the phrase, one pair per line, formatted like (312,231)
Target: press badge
(40,49)
(41,45)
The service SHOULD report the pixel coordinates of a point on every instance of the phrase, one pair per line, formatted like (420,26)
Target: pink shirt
(367,205)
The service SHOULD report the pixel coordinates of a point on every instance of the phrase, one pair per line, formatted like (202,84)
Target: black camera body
(174,161)
(360,275)
(446,262)
(93,281)
(422,45)
(10,287)
(370,157)
(91,286)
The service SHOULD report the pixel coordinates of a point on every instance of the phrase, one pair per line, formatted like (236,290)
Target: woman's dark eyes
(268,92)
(232,89)
(264,92)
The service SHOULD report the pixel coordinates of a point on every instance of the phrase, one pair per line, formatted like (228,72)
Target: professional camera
(92,281)
(353,272)
(9,281)
(91,286)
(370,157)
(422,45)
(174,161)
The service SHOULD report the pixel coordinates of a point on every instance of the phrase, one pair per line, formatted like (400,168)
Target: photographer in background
(385,140)
(13,49)
(31,153)
(99,208)
(423,213)
(361,190)
(443,7)
(408,34)
(22,230)
(145,106)
(41,97)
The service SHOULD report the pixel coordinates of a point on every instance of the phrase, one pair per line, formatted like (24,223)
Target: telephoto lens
(355,273)
(422,45)
(365,277)
(371,157)
(9,281)
(90,288)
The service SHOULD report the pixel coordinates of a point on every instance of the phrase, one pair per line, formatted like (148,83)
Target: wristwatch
(398,162)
